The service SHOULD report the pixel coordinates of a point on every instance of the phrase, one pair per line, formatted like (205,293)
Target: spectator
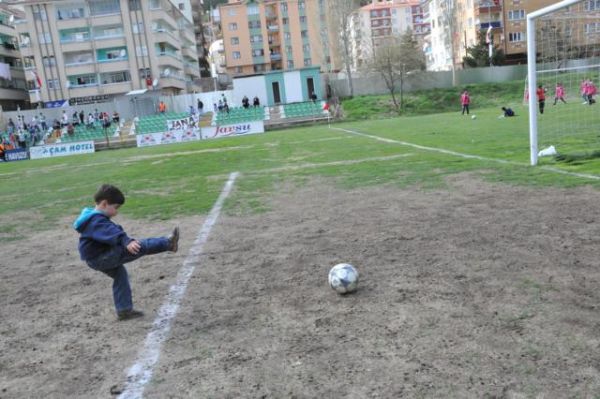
(245,102)
(81,117)
(192,110)
(70,130)
(256,102)
(64,120)
(11,126)
(220,106)
(96,116)
(43,123)
(162,107)
(90,122)
(75,119)
(116,117)
(200,107)
(313,97)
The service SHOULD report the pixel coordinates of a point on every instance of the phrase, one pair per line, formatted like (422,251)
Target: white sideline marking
(469,156)
(141,372)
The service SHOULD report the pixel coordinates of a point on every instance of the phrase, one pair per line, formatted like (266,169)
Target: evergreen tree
(478,55)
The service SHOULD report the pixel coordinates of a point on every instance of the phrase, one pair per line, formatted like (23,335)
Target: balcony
(487,7)
(493,24)
(273,28)
(276,57)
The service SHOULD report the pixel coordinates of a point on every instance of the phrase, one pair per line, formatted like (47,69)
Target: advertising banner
(237,129)
(169,137)
(16,155)
(61,150)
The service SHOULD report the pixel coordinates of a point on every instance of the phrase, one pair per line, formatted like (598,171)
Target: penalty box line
(141,372)
(468,156)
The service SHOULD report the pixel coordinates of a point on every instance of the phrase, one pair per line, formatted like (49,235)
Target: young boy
(105,246)
(507,113)
(541,95)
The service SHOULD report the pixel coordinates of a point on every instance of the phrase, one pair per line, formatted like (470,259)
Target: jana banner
(61,150)
(169,137)
(237,129)
(16,155)
(188,122)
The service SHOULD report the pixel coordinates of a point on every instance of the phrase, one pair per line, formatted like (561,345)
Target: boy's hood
(86,214)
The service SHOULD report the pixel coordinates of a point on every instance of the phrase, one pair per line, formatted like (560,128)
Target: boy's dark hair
(110,193)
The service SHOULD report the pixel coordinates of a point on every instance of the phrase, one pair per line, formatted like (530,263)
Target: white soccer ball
(474,117)
(343,278)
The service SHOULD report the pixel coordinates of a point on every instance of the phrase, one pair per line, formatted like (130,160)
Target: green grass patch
(185,179)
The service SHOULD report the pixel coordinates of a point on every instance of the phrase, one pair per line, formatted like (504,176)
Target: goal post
(563,49)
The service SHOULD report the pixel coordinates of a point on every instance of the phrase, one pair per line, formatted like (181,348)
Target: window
(254,24)
(138,27)
(592,5)
(290,64)
(256,39)
(302,19)
(105,32)
(53,84)
(115,77)
(307,62)
(70,12)
(235,40)
(287,36)
(104,7)
(301,4)
(592,27)
(304,34)
(258,53)
(232,26)
(253,9)
(49,61)
(232,12)
(516,14)
(284,7)
(44,37)
(288,49)
(285,20)
(237,55)
(141,51)
(39,14)
(306,48)
(239,69)
(182,6)
(83,80)
(145,73)
(135,5)
(260,68)
(515,37)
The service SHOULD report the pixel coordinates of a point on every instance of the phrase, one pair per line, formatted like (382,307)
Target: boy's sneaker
(129,314)
(174,240)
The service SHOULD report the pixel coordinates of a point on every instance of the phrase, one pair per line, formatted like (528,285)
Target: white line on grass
(468,156)
(141,372)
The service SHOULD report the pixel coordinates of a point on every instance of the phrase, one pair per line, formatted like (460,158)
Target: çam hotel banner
(61,150)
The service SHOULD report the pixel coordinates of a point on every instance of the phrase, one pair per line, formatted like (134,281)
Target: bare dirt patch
(475,291)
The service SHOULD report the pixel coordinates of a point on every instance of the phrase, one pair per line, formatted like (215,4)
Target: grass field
(479,272)
(169,181)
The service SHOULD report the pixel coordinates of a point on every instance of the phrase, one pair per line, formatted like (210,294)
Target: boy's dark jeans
(112,263)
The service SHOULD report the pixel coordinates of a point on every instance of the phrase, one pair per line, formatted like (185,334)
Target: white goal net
(564,67)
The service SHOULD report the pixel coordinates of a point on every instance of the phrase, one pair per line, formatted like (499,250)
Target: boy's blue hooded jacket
(98,233)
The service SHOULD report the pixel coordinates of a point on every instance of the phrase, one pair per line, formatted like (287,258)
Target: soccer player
(541,96)
(105,246)
(559,93)
(465,101)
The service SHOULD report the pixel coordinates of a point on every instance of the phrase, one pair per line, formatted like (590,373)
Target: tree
(479,55)
(340,12)
(394,60)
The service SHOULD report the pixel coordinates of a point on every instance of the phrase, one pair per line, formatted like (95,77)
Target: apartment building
(276,35)
(13,85)
(91,50)
(507,20)
(372,24)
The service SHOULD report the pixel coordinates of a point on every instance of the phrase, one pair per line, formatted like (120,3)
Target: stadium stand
(83,133)
(304,110)
(241,114)
(157,123)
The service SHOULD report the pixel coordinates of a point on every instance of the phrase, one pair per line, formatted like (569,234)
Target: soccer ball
(343,278)
(474,117)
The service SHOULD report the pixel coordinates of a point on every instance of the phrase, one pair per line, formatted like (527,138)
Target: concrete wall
(374,84)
